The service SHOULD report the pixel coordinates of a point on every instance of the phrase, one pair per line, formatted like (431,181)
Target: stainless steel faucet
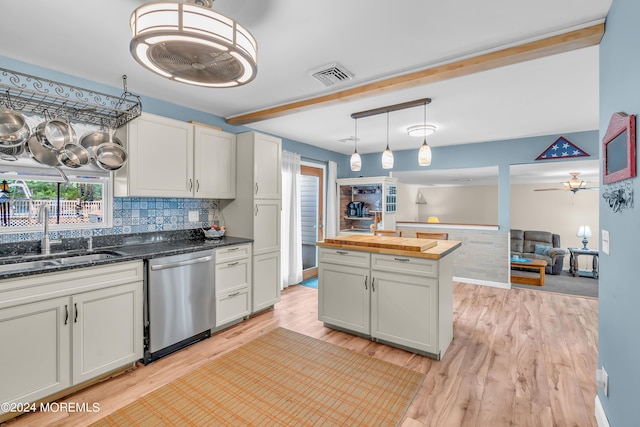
(43,216)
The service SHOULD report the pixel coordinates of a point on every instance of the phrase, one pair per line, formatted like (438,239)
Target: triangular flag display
(562,149)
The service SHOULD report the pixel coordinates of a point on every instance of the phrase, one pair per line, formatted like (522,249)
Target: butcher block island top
(407,246)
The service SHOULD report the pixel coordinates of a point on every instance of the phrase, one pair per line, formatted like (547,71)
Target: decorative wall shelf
(29,94)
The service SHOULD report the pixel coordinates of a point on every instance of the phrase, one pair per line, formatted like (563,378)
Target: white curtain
(331,219)
(291,246)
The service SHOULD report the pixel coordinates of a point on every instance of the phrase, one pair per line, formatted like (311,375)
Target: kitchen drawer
(228,253)
(344,257)
(404,265)
(232,275)
(232,306)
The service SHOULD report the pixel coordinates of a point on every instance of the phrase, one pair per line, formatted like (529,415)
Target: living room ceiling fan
(574,185)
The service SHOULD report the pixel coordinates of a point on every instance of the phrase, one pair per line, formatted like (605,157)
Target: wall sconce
(584,231)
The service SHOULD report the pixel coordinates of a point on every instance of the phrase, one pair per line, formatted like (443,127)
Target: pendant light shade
(190,43)
(424,154)
(387,155)
(356,161)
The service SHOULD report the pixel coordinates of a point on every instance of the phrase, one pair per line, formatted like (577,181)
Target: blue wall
(619,321)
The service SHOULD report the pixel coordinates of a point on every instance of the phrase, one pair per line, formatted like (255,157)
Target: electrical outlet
(602,380)
(193,216)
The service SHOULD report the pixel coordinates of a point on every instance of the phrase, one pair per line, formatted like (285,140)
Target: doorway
(312,211)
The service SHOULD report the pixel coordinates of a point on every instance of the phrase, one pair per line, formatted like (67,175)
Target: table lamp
(433,219)
(584,231)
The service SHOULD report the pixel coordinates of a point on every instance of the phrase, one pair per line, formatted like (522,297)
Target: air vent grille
(331,74)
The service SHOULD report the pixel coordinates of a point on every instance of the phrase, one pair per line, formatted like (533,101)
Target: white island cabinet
(171,158)
(405,301)
(62,330)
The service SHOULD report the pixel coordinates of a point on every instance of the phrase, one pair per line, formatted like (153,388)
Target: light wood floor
(519,358)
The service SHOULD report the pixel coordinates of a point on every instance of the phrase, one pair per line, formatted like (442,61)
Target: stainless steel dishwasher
(180,307)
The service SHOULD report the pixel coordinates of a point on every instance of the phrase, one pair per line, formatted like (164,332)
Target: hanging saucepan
(110,156)
(92,140)
(40,153)
(74,156)
(14,130)
(11,153)
(55,134)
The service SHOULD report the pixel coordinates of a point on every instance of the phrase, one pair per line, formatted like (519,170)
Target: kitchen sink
(78,259)
(28,265)
(61,259)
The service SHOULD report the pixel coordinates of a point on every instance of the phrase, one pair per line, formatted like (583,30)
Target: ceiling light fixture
(424,154)
(387,155)
(190,43)
(356,161)
(575,183)
(421,130)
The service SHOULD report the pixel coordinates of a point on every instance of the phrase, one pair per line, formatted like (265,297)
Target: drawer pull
(231,264)
(235,294)
(402,259)
(233,249)
(342,252)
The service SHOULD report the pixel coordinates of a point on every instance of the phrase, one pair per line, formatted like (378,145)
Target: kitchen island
(394,290)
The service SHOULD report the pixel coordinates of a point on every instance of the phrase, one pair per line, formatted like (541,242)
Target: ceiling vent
(331,74)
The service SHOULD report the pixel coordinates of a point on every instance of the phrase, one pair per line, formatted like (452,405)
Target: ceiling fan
(574,185)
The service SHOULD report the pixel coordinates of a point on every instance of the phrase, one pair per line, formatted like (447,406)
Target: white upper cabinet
(171,158)
(214,163)
(266,167)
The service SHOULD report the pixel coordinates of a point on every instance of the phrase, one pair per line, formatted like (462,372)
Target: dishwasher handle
(182,263)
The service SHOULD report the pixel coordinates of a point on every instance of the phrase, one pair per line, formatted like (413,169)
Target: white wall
(460,205)
(407,210)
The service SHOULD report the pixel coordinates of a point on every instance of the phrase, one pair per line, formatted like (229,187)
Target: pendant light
(424,154)
(188,42)
(387,155)
(356,161)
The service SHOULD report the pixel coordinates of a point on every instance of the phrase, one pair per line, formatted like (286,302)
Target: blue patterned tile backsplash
(138,215)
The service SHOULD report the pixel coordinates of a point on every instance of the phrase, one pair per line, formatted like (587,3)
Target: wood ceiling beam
(585,37)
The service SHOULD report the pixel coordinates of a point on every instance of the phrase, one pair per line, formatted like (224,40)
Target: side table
(573,262)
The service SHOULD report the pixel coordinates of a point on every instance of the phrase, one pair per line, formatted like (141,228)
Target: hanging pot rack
(30,94)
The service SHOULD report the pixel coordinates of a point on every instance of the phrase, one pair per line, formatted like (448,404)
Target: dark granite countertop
(127,247)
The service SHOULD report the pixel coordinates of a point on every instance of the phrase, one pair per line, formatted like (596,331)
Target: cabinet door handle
(402,259)
(365,281)
(75,318)
(235,294)
(231,264)
(197,185)
(373,284)
(256,210)
(66,314)
(342,252)
(190,184)
(256,188)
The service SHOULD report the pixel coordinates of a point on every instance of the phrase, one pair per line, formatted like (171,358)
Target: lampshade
(584,231)
(433,219)
(190,43)
(574,183)
(356,161)
(387,155)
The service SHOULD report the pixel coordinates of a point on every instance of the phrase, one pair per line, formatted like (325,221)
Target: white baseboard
(482,282)
(601,417)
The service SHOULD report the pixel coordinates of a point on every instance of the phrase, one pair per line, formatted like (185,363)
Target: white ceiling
(372,39)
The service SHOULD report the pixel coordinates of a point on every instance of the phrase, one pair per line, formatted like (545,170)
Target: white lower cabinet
(233,283)
(403,301)
(63,329)
(266,280)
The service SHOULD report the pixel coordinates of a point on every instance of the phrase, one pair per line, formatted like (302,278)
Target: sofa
(539,245)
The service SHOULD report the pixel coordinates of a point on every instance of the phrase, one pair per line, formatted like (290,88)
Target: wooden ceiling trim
(566,42)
